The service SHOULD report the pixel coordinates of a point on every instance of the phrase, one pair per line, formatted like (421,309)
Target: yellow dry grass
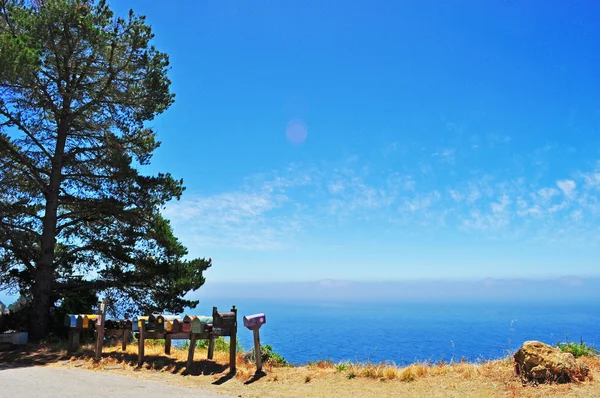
(327,379)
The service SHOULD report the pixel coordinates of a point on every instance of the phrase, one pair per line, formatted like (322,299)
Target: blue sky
(383,140)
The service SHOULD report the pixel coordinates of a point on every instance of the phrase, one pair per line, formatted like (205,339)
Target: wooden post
(100,328)
(257,352)
(190,360)
(125,339)
(141,343)
(233,343)
(76,340)
(168,344)
(211,346)
(73,345)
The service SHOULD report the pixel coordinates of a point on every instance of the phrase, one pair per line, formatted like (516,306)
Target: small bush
(580,349)
(268,356)
(351,375)
(340,367)
(369,373)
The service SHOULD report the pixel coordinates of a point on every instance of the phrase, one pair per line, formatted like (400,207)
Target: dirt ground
(323,379)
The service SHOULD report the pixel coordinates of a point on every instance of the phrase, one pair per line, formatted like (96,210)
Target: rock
(539,362)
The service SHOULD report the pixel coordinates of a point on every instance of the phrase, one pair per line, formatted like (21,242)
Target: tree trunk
(44,274)
(40,312)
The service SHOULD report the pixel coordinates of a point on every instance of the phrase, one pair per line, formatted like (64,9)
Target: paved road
(51,382)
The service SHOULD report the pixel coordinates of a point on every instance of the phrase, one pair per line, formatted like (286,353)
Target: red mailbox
(186,325)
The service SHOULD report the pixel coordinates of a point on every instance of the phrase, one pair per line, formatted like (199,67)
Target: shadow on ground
(39,355)
(30,355)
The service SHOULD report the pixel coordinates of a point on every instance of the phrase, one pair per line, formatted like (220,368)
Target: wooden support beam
(190,360)
(141,344)
(257,352)
(125,339)
(168,344)
(100,328)
(73,341)
(233,343)
(211,346)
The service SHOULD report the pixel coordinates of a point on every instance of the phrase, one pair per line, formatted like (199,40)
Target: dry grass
(319,379)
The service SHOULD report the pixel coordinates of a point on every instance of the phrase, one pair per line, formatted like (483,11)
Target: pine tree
(77,88)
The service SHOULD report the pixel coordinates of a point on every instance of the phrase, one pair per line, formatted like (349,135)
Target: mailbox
(223,319)
(176,325)
(168,326)
(186,324)
(160,323)
(151,325)
(135,326)
(197,325)
(92,320)
(255,321)
(128,324)
(205,319)
(76,321)
(109,324)
(85,322)
(67,322)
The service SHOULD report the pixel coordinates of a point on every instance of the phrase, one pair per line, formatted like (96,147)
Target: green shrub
(268,356)
(221,344)
(580,349)
(340,367)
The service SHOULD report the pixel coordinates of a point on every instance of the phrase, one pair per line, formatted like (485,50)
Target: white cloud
(500,206)
(547,193)
(568,187)
(336,187)
(592,180)
(473,194)
(269,211)
(455,195)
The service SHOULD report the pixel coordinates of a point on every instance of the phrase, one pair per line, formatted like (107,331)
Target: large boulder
(541,363)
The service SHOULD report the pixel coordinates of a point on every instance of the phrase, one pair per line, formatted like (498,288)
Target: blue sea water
(405,332)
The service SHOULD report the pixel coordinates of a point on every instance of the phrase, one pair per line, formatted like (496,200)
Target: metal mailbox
(186,324)
(255,321)
(128,324)
(85,321)
(135,326)
(151,325)
(223,319)
(92,320)
(160,323)
(176,327)
(197,325)
(76,321)
(67,321)
(168,325)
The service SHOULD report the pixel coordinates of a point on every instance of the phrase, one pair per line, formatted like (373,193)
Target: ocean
(403,332)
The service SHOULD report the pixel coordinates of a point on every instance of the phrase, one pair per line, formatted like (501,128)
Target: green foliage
(221,344)
(78,87)
(268,356)
(351,375)
(580,349)
(340,367)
